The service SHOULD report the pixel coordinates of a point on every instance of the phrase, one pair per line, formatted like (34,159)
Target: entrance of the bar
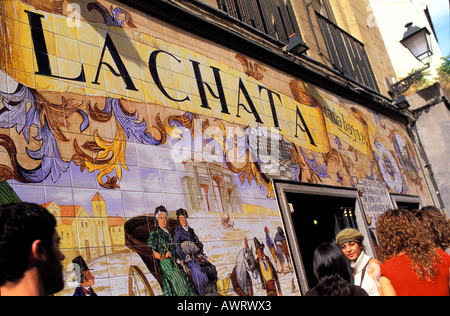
(314,215)
(318,219)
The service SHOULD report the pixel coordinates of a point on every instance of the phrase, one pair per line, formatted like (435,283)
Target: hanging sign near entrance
(375,199)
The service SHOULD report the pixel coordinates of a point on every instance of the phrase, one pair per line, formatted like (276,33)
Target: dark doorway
(317,219)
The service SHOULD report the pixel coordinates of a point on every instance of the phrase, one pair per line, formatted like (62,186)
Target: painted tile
(102,155)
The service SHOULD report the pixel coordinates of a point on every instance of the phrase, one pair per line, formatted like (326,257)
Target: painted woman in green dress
(174,279)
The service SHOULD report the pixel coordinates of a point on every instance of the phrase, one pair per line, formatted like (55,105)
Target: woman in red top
(412,265)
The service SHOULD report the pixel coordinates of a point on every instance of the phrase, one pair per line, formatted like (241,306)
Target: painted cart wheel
(138,284)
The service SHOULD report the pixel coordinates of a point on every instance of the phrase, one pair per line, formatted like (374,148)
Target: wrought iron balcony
(347,54)
(275,18)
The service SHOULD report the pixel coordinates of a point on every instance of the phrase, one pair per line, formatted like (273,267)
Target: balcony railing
(347,54)
(275,18)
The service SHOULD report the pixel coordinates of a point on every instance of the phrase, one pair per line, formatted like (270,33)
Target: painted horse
(242,274)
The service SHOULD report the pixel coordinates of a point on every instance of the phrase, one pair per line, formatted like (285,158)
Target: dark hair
(163,209)
(331,270)
(20,225)
(183,212)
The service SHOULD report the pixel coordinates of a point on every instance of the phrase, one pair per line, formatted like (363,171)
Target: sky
(440,15)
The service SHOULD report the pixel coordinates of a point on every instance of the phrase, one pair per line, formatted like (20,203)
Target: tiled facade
(107,113)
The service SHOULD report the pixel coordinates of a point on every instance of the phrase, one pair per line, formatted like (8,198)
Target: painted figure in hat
(267,272)
(161,242)
(190,250)
(84,277)
(282,249)
(271,245)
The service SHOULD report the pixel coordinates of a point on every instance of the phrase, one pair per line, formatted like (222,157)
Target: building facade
(111,109)
(431,107)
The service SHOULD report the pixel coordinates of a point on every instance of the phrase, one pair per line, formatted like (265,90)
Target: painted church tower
(101,221)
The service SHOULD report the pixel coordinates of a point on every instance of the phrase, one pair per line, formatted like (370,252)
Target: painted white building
(391,16)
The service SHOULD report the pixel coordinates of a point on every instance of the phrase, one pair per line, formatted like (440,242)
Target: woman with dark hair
(366,270)
(332,271)
(412,266)
(190,250)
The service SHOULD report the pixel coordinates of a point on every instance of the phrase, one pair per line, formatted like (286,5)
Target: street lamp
(417,41)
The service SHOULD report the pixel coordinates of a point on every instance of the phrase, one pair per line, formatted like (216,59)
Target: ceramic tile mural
(107,114)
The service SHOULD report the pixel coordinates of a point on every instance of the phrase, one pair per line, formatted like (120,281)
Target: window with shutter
(274,18)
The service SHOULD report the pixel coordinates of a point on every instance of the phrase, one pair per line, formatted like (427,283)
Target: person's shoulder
(443,255)
(358,291)
(374,261)
(153,235)
(400,259)
(312,292)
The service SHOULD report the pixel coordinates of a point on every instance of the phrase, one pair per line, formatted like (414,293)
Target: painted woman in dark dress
(190,250)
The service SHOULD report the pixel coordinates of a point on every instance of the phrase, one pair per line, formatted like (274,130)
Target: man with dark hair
(30,258)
